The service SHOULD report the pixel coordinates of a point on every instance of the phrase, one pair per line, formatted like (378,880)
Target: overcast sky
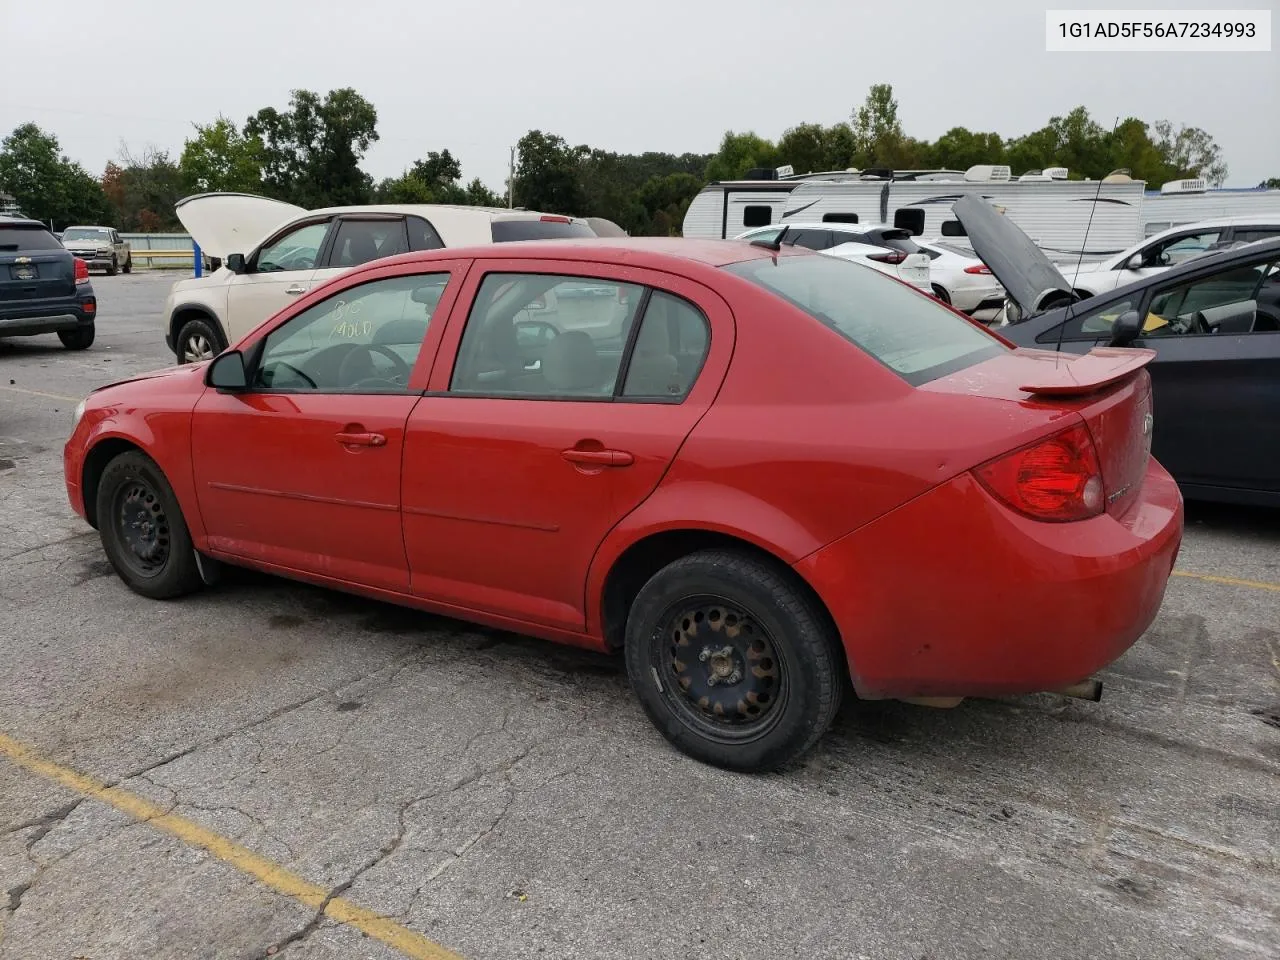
(474,75)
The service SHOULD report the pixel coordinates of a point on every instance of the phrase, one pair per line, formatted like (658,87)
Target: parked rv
(1068,219)
(1181,202)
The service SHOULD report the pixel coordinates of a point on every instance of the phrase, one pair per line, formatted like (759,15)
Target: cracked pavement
(506,798)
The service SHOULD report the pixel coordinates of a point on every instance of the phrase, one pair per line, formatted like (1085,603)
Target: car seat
(571,364)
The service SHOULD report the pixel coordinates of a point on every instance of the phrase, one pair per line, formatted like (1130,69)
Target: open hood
(226,223)
(1026,274)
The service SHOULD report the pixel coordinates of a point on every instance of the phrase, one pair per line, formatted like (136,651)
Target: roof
(24,222)
(429,209)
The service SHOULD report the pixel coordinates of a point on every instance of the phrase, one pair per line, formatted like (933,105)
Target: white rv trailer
(1190,201)
(1066,218)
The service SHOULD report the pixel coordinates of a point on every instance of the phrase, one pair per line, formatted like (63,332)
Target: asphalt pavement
(269,769)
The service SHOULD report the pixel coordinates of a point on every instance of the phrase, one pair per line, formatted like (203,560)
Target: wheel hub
(143,526)
(724,663)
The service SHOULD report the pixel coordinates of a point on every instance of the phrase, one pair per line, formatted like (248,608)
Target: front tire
(196,341)
(142,529)
(733,662)
(114,268)
(81,338)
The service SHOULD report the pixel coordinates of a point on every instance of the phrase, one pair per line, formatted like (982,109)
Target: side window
(423,236)
(1225,302)
(359,241)
(839,218)
(1089,324)
(1171,252)
(296,250)
(757,216)
(545,335)
(1252,234)
(812,239)
(671,346)
(363,340)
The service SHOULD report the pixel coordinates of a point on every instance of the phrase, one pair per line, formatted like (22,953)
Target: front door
(546,423)
(302,469)
(276,275)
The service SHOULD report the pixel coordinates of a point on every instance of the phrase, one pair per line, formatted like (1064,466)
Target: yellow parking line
(1229,581)
(41,393)
(265,871)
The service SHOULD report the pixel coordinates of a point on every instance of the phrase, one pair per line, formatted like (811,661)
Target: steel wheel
(141,527)
(722,669)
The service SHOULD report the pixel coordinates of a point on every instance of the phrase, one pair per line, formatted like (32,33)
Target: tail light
(82,271)
(1057,479)
(89,306)
(978,268)
(549,218)
(889,256)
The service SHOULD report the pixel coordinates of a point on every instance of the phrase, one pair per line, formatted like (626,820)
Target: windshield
(86,233)
(907,331)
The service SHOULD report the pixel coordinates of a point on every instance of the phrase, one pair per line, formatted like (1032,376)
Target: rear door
(528,448)
(360,238)
(34,266)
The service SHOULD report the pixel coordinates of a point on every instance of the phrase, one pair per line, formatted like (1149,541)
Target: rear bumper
(953,594)
(19,319)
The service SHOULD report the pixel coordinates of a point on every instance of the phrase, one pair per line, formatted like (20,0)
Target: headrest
(570,362)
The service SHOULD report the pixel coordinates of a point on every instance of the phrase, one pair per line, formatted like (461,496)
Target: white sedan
(847,242)
(962,280)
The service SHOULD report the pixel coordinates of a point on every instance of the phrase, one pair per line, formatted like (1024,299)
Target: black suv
(43,288)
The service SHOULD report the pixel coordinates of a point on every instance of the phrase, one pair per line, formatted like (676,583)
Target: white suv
(272,252)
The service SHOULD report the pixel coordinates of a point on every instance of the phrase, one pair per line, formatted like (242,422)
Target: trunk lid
(38,275)
(1109,388)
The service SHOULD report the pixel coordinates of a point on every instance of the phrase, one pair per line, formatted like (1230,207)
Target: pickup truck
(99,247)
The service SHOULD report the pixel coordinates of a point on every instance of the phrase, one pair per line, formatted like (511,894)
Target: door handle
(603,458)
(296,289)
(361,439)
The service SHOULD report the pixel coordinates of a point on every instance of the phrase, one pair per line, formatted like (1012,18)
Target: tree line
(309,154)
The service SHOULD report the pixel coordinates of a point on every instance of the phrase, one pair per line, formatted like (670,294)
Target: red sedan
(760,474)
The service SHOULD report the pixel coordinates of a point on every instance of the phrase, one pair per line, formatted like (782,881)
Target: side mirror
(235,262)
(1126,329)
(227,372)
(1134,262)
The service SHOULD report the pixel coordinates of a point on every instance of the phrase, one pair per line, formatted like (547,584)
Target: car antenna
(774,244)
(1071,303)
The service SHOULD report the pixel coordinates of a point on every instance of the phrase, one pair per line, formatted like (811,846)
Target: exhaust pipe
(1084,690)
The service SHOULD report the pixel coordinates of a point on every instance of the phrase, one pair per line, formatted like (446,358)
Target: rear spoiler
(1070,374)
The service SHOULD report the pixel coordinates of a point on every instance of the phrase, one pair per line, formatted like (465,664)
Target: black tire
(114,268)
(193,338)
(142,529)
(128,264)
(81,338)
(783,655)
(940,292)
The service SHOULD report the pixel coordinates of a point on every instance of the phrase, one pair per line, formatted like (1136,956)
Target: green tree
(738,153)
(811,147)
(1271,183)
(960,149)
(878,140)
(548,174)
(406,188)
(220,158)
(1190,152)
(144,190)
(311,153)
(46,184)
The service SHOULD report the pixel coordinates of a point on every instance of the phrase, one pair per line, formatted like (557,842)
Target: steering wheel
(398,379)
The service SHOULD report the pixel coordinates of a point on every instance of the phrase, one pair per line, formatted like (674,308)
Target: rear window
(27,238)
(508,230)
(901,240)
(908,332)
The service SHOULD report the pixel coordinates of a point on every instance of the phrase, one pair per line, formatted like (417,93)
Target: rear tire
(197,340)
(128,264)
(142,529)
(732,661)
(941,293)
(114,268)
(81,338)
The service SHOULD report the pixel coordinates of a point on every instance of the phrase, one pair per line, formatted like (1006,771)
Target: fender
(165,438)
(192,306)
(719,509)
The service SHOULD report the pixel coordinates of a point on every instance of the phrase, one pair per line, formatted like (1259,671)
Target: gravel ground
(506,798)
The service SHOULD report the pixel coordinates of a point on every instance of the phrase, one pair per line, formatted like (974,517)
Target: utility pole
(511,181)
